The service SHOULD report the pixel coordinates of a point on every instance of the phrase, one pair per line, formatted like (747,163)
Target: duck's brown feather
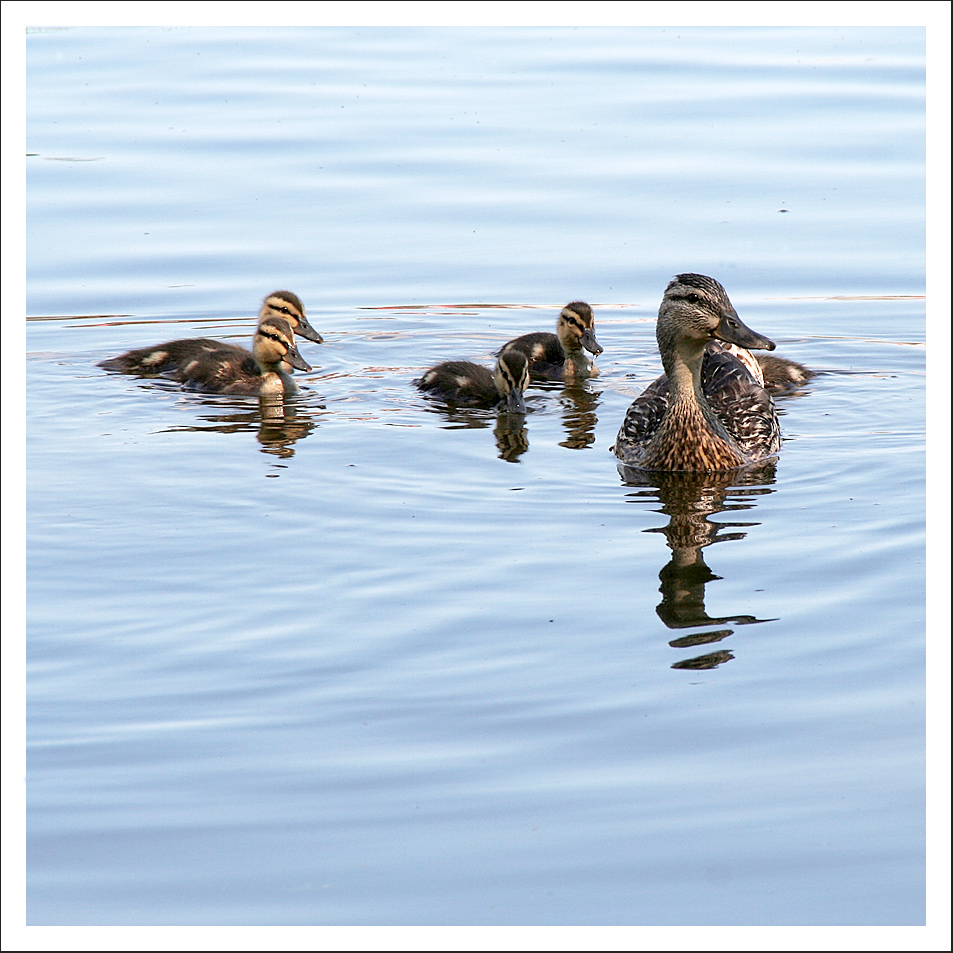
(741,405)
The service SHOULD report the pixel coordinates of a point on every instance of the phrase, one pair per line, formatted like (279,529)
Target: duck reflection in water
(278,423)
(579,406)
(512,441)
(283,424)
(509,429)
(689,499)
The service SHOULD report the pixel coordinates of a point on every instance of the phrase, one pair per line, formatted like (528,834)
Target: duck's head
(287,305)
(696,309)
(574,328)
(274,344)
(511,376)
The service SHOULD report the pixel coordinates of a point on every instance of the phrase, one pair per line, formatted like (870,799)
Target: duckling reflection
(282,426)
(689,499)
(579,416)
(509,429)
(277,424)
(512,441)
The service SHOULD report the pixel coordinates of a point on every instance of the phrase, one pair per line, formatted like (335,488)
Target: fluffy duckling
(560,356)
(287,305)
(471,385)
(782,374)
(219,368)
(709,411)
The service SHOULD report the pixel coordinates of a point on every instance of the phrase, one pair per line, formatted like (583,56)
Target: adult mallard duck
(219,368)
(472,385)
(710,410)
(560,356)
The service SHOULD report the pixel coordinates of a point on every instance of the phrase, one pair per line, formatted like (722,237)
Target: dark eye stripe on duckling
(514,369)
(578,314)
(280,338)
(289,297)
(511,382)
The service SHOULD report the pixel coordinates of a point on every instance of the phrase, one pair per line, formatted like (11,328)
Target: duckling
(287,305)
(782,374)
(219,368)
(471,385)
(709,411)
(560,356)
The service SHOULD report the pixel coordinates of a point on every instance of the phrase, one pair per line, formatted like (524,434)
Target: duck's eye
(693,298)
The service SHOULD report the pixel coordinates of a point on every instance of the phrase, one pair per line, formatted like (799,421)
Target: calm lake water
(376,662)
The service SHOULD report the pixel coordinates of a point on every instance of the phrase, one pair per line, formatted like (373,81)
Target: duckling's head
(574,328)
(511,376)
(287,305)
(274,343)
(696,309)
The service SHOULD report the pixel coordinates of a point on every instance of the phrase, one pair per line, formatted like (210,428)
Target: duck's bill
(514,403)
(296,360)
(307,332)
(590,343)
(734,331)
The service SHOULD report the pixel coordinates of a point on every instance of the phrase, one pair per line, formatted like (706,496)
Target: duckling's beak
(733,330)
(515,403)
(296,360)
(590,343)
(307,332)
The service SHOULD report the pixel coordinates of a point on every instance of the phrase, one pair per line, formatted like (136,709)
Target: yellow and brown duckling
(218,368)
(562,356)
(287,305)
(709,411)
(471,385)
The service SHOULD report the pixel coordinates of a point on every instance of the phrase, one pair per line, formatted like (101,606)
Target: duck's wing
(745,357)
(643,417)
(743,406)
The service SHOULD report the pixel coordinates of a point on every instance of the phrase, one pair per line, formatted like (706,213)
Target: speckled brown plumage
(718,416)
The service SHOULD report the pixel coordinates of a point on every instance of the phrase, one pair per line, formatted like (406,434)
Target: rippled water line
(382,724)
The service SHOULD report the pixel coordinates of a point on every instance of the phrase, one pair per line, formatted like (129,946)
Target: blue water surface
(377,661)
